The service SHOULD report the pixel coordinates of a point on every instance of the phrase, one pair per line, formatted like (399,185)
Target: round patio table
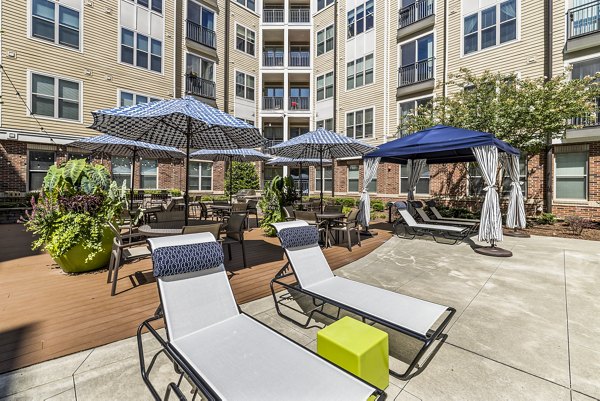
(329,217)
(168,228)
(220,210)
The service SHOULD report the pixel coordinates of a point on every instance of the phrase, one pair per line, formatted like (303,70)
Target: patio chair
(332,209)
(347,226)
(436,213)
(289,213)
(214,229)
(124,250)
(418,207)
(194,205)
(307,264)
(224,353)
(311,219)
(411,229)
(252,209)
(234,234)
(176,215)
(205,212)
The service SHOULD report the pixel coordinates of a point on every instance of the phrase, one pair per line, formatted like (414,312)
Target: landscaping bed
(564,231)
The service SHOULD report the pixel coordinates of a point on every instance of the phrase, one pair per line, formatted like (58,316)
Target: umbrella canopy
(289,162)
(231,155)
(126,147)
(183,123)
(320,144)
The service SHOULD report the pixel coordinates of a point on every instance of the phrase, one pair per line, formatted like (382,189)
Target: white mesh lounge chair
(414,317)
(418,206)
(436,213)
(228,355)
(407,227)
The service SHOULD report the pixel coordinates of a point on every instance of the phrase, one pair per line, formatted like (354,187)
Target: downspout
(445,77)
(226,57)
(549,192)
(335,101)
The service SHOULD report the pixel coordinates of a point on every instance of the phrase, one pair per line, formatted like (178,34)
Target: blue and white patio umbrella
(321,144)
(184,123)
(125,147)
(231,155)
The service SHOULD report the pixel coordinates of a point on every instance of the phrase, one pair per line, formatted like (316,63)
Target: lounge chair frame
(320,301)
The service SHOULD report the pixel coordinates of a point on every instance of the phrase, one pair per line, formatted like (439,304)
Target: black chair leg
(244,254)
(229,250)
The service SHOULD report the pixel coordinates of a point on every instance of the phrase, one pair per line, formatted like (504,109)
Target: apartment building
(288,66)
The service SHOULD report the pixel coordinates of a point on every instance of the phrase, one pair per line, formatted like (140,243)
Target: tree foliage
(278,193)
(526,113)
(244,177)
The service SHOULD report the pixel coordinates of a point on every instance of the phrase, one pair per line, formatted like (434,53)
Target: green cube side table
(357,347)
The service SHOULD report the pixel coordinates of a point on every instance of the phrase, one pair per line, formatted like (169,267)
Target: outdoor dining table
(168,228)
(329,217)
(220,209)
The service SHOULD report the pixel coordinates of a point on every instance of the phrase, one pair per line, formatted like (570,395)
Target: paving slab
(58,390)
(585,370)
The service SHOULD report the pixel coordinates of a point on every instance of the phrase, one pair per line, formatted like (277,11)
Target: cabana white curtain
(490,229)
(370,172)
(415,169)
(515,216)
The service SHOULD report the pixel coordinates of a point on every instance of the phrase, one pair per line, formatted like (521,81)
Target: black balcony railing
(202,35)
(268,143)
(272,60)
(300,15)
(583,20)
(194,85)
(273,15)
(417,11)
(272,103)
(415,73)
(299,103)
(589,120)
(299,59)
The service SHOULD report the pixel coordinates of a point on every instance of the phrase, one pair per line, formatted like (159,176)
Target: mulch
(562,230)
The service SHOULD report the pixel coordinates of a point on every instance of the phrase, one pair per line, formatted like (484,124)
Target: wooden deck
(45,314)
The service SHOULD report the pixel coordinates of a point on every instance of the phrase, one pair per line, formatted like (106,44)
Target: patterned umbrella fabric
(320,144)
(126,147)
(289,162)
(238,155)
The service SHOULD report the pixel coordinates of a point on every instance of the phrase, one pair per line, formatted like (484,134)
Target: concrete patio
(526,328)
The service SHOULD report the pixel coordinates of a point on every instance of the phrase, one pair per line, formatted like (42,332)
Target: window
(300,179)
(359,72)
(38,165)
(149,174)
(571,172)
(325,41)
(54,97)
(360,19)
(200,176)
(129,99)
(154,5)
(244,85)
(199,67)
(297,131)
(422,184)
(408,108)
(245,40)
(359,124)
(476,181)
(78,156)
(372,187)
(328,181)
(325,86)
(327,124)
(121,170)
(55,23)
(416,61)
(248,3)
(353,173)
(321,4)
(200,24)
(140,50)
(581,70)
(490,26)
(271,172)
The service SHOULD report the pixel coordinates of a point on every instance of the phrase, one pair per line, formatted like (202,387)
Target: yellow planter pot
(74,260)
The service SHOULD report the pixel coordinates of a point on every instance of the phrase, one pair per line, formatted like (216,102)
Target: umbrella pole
(301,183)
(132,177)
(322,177)
(186,197)
(230,179)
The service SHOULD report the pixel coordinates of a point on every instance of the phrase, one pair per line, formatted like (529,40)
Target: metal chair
(214,229)
(124,250)
(252,209)
(333,209)
(347,226)
(289,213)
(234,233)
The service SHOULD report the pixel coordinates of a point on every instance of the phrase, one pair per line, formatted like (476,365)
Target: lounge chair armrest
(132,244)
(173,387)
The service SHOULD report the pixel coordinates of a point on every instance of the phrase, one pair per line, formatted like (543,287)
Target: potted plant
(70,217)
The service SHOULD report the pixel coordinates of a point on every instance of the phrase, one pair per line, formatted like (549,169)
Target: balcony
(272,103)
(415,17)
(199,34)
(591,120)
(273,15)
(299,15)
(194,85)
(268,143)
(416,77)
(299,103)
(583,27)
(272,59)
(299,59)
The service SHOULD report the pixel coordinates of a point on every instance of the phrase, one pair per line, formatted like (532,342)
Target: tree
(244,177)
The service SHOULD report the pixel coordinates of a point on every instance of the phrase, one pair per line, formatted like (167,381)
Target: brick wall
(13,166)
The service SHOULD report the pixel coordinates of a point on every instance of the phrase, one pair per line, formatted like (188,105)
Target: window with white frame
(121,170)
(244,85)
(321,4)
(353,175)
(325,86)
(200,67)
(408,108)
(245,40)
(141,50)
(359,72)
(130,98)
(571,173)
(416,61)
(326,123)
(55,97)
(38,163)
(200,176)
(361,18)
(490,26)
(149,174)
(325,41)
(271,172)
(154,5)
(359,124)
(251,4)
(422,184)
(328,180)
(56,23)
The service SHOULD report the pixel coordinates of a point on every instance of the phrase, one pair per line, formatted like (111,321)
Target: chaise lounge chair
(411,316)
(418,206)
(225,354)
(407,227)
(436,213)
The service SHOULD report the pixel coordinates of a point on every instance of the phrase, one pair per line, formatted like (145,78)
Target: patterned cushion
(400,205)
(430,203)
(188,258)
(295,237)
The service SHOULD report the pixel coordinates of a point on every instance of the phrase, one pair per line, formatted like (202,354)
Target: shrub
(244,177)
(546,218)
(377,206)
(348,203)
(279,193)
(576,224)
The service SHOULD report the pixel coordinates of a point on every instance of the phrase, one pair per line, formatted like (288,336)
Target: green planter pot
(74,260)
